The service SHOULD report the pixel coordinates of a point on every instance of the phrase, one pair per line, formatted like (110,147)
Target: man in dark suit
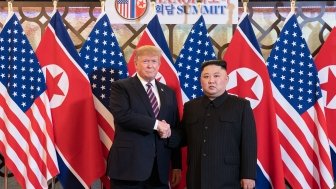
(220,135)
(145,113)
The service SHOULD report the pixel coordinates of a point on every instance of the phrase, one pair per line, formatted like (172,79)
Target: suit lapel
(140,90)
(163,98)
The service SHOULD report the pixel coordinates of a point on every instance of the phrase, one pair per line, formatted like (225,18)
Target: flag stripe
(13,161)
(37,138)
(43,118)
(263,178)
(293,172)
(72,170)
(106,142)
(106,126)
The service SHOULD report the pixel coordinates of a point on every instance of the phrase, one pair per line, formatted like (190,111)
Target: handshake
(163,129)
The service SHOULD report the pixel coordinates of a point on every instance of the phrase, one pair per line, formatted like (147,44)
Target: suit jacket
(221,139)
(136,145)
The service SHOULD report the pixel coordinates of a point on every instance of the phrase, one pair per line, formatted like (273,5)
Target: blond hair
(149,50)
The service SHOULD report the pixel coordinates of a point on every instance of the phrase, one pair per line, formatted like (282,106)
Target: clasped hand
(164,129)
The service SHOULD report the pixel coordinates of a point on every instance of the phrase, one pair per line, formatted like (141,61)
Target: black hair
(221,63)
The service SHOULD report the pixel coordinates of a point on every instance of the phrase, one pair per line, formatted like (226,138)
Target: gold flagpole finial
(199,5)
(153,5)
(10,6)
(292,5)
(245,2)
(102,5)
(55,4)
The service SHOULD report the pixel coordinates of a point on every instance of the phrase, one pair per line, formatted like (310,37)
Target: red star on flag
(53,88)
(329,86)
(246,85)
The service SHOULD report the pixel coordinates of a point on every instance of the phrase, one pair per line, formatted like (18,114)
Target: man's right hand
(164,129)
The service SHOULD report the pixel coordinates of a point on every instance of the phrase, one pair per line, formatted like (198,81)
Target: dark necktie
(152,99)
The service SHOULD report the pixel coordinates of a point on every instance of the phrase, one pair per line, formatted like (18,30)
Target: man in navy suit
(220,135)
(142,151)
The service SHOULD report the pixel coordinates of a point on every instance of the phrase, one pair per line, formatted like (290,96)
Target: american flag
(78,147)
(326,66)
(299,109)
(196,49)
(249,79)
(103,62)
(26,131)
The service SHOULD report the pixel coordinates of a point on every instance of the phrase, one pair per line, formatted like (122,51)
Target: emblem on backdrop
(131,9)
(172,11)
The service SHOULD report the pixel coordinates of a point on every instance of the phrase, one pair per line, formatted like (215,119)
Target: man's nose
(211,80)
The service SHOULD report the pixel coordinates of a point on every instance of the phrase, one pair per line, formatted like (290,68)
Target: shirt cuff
(156,124)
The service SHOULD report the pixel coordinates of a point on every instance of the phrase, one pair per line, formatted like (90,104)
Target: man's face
(214,80)
(147,66)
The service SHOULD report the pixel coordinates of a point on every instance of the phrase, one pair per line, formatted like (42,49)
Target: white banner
(172,11)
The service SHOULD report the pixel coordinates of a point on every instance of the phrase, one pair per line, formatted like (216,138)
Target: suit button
(204,140)
(204,154)
(208,114)
(206,127)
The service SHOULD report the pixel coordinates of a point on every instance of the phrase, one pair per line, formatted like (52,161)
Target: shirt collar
(144,82)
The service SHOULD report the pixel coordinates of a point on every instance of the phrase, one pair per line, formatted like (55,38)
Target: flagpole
(53,180)
(102,7)
(5,177)
(10,11)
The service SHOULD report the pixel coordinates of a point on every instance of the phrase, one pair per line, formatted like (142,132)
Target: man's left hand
(176,177)
(247,183)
